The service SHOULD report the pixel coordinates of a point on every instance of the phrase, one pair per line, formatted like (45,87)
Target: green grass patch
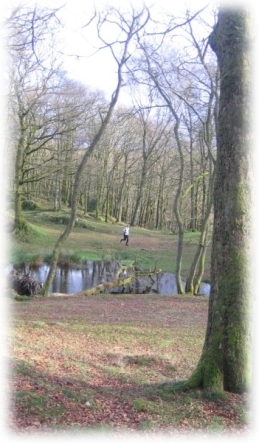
(97,240)
(22,298)
(23,367)
(147,425)
(39,324)
(141,405)
(113,371)
(216,425)
(142,360)
(166,343)
(31,400)
(78,397)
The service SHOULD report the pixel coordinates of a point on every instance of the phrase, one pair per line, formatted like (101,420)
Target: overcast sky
(99,71)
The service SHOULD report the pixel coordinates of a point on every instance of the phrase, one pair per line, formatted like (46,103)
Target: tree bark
(226,358)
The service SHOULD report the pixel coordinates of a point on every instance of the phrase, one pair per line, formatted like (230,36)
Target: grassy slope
(97,240)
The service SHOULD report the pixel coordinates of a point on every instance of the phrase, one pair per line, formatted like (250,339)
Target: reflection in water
(166,285)
(76,280)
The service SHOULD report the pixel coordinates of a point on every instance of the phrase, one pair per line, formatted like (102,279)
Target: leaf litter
(107,362)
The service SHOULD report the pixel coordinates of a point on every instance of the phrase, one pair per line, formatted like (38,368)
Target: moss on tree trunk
(226,358)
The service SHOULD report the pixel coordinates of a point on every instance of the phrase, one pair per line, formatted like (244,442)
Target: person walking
(125,235)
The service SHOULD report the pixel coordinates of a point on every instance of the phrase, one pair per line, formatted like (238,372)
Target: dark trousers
(126,238)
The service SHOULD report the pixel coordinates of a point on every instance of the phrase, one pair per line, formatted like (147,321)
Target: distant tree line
(153,167)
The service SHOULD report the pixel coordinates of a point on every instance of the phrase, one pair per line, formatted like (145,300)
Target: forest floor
(108,363)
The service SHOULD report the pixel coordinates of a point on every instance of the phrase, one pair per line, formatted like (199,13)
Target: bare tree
(128,27)
(186,85)
(33,70)
(153,126)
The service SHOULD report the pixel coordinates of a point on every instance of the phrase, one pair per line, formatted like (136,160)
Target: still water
(69,280)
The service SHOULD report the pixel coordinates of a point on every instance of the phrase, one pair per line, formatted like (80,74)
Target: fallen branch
(117,282)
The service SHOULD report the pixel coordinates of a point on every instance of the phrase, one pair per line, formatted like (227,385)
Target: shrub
(29,205)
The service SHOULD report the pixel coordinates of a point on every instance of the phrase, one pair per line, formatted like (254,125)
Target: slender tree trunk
(57,192)
(192,194)
(196,208)
(177,213)
(134,27)
(178,196)
(20,224)
(78,175)
(140,192)
(197,266)
(226,358)
(121,189)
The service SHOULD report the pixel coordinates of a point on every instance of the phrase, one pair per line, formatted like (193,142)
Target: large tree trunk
(226,358)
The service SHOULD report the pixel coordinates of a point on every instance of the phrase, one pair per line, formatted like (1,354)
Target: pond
(69,280)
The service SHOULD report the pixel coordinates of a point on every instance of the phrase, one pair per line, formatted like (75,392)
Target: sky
(98,71)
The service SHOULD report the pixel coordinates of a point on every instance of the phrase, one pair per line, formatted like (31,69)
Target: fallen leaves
(101,362)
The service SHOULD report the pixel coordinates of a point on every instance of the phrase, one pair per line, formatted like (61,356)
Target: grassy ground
(109,363)
(96,240)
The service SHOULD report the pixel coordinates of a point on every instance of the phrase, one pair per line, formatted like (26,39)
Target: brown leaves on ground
(108,362)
